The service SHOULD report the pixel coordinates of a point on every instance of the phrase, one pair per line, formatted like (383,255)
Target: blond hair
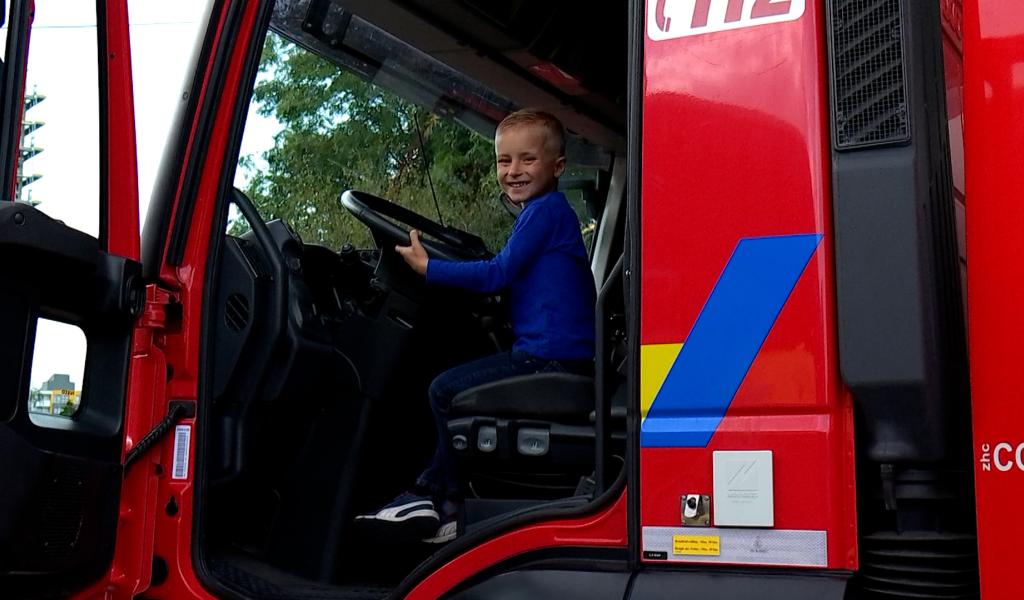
(555,138)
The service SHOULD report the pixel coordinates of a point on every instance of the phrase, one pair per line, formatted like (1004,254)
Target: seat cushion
(561,397)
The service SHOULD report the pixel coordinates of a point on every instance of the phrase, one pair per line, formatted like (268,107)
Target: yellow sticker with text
(697,545)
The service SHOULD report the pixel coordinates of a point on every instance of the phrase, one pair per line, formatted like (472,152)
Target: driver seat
(542,426)
(530,423)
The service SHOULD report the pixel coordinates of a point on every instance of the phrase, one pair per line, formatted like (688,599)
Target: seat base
(522,445)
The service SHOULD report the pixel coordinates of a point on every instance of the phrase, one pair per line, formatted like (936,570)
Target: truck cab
(773,198)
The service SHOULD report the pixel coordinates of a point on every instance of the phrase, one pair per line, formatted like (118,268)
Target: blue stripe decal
(727,336)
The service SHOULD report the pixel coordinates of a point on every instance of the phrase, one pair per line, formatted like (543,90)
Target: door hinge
(176,411)
(160,309)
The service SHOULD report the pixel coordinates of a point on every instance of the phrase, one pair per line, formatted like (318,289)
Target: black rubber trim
(166,185)
(723,581)
(225,192)
(207,118)
(568,558)
(13,94)
(602,405)
(634,172)
(104,123)
(629,586)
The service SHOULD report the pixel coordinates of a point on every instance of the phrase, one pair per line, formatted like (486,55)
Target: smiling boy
(544,272)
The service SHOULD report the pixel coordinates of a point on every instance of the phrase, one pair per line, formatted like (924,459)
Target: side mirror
(3,13)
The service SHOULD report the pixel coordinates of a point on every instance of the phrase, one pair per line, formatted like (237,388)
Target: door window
(58,366)
(58,159)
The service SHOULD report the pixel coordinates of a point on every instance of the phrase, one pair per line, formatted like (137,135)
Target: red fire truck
(785,403)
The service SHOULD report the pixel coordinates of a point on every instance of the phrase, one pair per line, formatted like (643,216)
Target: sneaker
(408,513)
(445,533)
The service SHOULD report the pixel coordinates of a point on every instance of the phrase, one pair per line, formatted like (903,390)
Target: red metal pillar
(994,148)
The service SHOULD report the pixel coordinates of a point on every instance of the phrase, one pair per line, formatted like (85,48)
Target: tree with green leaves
(340,132)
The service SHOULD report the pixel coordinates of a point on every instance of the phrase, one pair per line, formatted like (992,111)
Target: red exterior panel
(736,146)
(604,529)
(174,530)
(122,171)
(146,528)
(994,136)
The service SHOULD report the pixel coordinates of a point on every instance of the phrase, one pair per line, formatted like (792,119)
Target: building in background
(57,396)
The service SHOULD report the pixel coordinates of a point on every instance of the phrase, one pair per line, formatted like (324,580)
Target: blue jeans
(440,478)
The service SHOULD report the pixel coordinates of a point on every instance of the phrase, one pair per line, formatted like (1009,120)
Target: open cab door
(64,291)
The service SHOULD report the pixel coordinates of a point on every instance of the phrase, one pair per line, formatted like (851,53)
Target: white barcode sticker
(182,437)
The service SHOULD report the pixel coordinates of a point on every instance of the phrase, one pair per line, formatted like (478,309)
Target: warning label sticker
(182,438)
(697,545)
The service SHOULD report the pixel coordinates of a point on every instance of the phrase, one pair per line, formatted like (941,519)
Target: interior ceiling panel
(587,43)
(527,52)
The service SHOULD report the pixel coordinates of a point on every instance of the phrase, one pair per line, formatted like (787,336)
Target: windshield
(355,108)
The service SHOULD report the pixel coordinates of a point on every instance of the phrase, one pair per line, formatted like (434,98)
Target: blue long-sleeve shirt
(545,273)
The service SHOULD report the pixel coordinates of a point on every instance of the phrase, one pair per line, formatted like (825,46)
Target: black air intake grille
(869,91)
(236,313)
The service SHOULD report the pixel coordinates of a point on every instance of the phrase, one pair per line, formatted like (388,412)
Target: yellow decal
(655,362)
(697,545)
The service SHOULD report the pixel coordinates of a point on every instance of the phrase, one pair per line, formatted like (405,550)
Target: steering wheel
(389,222)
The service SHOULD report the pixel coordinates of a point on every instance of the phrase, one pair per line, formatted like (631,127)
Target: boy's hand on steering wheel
(414,254)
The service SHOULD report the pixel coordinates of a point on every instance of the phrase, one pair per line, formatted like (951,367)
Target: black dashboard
(293,319)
